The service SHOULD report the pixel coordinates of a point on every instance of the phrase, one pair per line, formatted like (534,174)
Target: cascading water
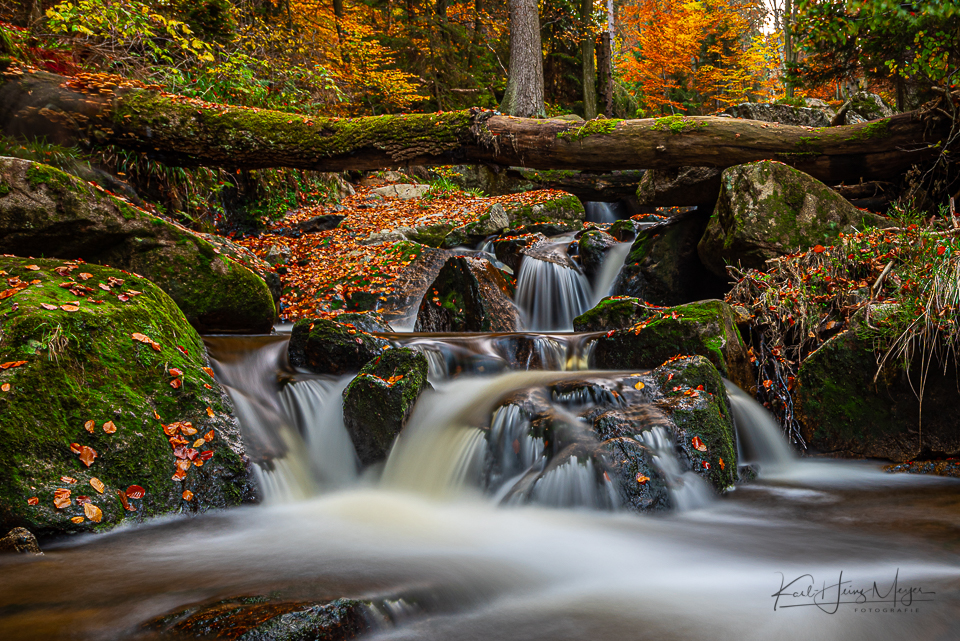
(551,295)
(609,271)
(600,212)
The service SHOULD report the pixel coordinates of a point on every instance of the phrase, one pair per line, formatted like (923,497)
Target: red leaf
(87,455)
(136,492)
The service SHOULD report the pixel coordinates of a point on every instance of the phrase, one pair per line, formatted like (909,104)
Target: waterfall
(316,408)
(551,295)
(600,212)
(759,440)
(609,271)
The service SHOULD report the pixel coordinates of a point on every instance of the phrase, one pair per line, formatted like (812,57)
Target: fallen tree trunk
(103,110)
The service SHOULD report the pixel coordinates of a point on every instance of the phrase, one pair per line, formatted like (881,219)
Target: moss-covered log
(176,130)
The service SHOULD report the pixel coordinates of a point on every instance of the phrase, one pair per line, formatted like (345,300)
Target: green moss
(590,128)
(879,129)
(4,189)
(39,174)
(85,365)
(677,124)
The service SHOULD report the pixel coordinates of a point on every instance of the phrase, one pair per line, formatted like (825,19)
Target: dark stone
(469,295)
(378,402)
(843,411)
(327,347)
(783,114)
(614,312)
(664,267)
(684,186)
(509,249)
(623,230)
(254,618)
(313,225)
(19,540)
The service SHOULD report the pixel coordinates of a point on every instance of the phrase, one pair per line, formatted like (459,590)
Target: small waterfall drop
(600,212)
(609,271)
(759,439)
(551,295)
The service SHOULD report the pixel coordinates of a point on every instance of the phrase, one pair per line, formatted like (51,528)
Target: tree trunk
(338,18)
(788,41)
(605,62)
(189,132)
(589,65)
(524,93)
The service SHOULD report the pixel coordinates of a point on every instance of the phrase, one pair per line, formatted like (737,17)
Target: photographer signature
(828,596)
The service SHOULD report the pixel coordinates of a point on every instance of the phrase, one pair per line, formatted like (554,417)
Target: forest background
(606,58)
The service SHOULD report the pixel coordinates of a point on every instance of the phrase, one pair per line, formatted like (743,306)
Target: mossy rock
(468,295)
(592,247)
(327,347)
(843,411)
(510,249)
(768,209)
(695,399)
(564,209)
(707,328)
(85,365)
(664,267)
(492,221)
(50,213)
(613,312)
(378,402)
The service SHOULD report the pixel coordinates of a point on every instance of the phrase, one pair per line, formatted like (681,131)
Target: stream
(447,548)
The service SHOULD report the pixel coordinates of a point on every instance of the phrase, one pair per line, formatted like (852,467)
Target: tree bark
(180,131)
(524,94)
(605,62)
(589,64)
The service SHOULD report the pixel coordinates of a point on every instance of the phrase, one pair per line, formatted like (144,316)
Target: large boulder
(324,346)
(378,402)
(768,209)
(593,246)
(783,114)
(105,386)
(844,411)
(707,328)
(510,249)
(870,106)
(469,295)
(492,221)
(560,208)
(45,212)
(664,267)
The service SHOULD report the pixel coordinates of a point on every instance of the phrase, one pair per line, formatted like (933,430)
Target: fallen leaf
(135,492)
(105,288)
(97,484)
(706,465)
(206,456)
(641,479)
(5,387)
(48,306)
(698,444)
(639,385)
(68,479)
(125,502)
(198,463)
(722,466)
(171,429)
(183,464)
(61,498)
(188,429)
(109,427)
(123,298)
(208,436)
(175,372)
(89,425)
(92,512)
(210,412)
(187,495)
(75,448)
(818,249)
(85,276)
(32,268)
(198,442)
(179,475)
(70,308)
(208,371)
(87,454)
(82,500)
(32,500)
(176,383)
(77,519)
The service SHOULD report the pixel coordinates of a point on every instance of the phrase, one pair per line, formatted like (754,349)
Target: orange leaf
(208,371)
(109,427)
(61,499)
(97,484)
(135,492)
(210,412)
(70,308)
(77,519)
(176,383)
(641,479)
(32,268)
(639,385)
(209,436)
(32,500)
(92,512)
(698,444)
(188,429)
(722,466)
(125,502)
(47,306)
(68,479)
(89,426)
(87,454)
(818,249)
(179,475)
(85,276)
(75,448)
(175,372)
(5,387)
(187,495)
